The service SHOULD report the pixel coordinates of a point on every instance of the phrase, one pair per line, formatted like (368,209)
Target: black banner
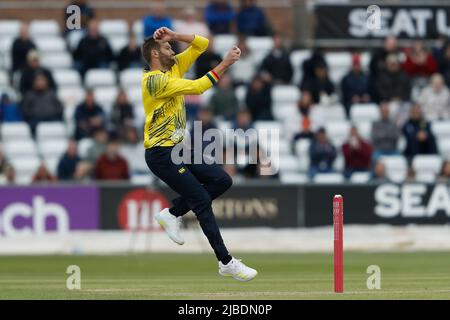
(360,22)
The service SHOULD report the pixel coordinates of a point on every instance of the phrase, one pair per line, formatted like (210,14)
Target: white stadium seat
(444,148)
(117,43)
(83,146)
(339,63)
(100,77)
(223,42)
(426,167)
(20,148)
(396,168)
(289,163)
(337,132)
(51,131)
(9,28)
(73,38)
(360,177)
(284,94)
(50,44)
(39,28)
(364,129)
(441,129)
(106,96)
(52,148)
(25,168)
(339,162)
(134,94)
(113,27)
(54,61)
(142,179)
(328,178)
(294,178)
(51,162)
(241,92)
(67,77)
(138,30)
(297,57)
(71,96)
(132,77)
(4,79)
(365,112)
(260,45)
(15,131)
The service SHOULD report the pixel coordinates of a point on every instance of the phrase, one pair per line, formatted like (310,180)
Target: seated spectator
(122,113)
(419,62)
(207,61)
(393,84)
(435,99)
(355,85)
(41,104)
(305,131)
(322,154)
(224,101)
(379,172)
(305,105)
(357,153)
(259,99)
(157,19)
(320,86)
(190,25)
(93,50)
(43,175)
(20,48)
(444,64)
(219,16)
(89,116)
(130,56)
(9,111)
(379,55)
(70,166)
(385,134)
(31,70)
(310,64)
(251,19)
(418,134)
(444,175)
(100,138)
(207,122)
(111,165)
(278,63)
(243,72)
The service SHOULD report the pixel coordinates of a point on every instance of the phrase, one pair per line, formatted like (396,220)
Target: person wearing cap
(355,85)
(31,70)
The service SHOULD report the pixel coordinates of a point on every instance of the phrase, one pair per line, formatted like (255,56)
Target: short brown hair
(147,47)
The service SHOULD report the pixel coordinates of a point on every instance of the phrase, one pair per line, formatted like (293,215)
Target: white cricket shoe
(170,224)
(236,269)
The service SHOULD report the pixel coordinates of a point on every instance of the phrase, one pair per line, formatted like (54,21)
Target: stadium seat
(106,96)
(302,146)
(138,30)
(83,146)
(9,28)
(4,79)
(52,148)
(60,60)
(48,131)
(339,63)
(113,27)
(337,132)
(364,129)
(328,178)
(285,94)
(66,77)
(260,46)
(71,96)
(241,93)
(426,167)
(132,77)
(25,168)
(294,178)
(39,28)
(100,78)
(297,57)
(364,112)
(289,163)
(51,162)
(206,97)
(268,125)
(396,168)
(15,131)
(73,38)
(50,44)
(134,95)
(117,43)
(142,179)
(441,129)
(360,177)
(20,148)
(444,148)
(322,114)
(365,60)
(223,42)
(5,52)
(339,162)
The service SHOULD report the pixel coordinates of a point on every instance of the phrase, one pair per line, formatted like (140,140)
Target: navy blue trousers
(197,185)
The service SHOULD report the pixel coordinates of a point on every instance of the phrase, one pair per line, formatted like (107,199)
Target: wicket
(338,223)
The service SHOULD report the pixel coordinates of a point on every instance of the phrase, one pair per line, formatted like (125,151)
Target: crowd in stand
(411,87)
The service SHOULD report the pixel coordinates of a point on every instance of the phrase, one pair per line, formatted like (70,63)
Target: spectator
(418,134)
(385,134)
(320,86)
(31,70)
(122,113)
(305,104)
(9,175)
(379,172)
(309,65)
(259,99)
(93,50)
(378,60)
(322,154)
(444,64)
(207,61)
(392,83)
(419,62)
(98,146)
(219,16)
(43,175)
(157,19)
(223,101)
(207,122)
(9,111)
(41,104)
(20,48)
(435,99)
(245,70)
(70,166)
(278,63)
(86,11)
(89,116)
(190,25)
(444,175)
(130,56)
(355,85)
(357,153)
(111,165)
(251,19)
(305,131)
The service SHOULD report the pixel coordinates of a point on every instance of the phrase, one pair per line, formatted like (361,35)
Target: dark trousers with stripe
(197,185)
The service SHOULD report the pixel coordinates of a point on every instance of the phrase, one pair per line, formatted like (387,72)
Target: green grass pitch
(413,275)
